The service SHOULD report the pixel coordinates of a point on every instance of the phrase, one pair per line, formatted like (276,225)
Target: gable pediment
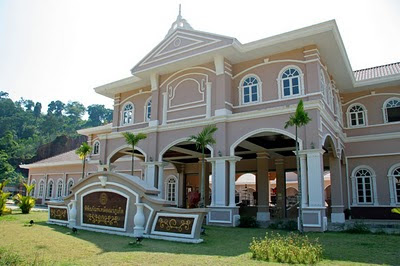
(179,45)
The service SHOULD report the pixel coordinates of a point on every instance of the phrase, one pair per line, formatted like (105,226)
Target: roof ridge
(53,156)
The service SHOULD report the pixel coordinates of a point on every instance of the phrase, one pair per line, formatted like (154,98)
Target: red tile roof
(377,72)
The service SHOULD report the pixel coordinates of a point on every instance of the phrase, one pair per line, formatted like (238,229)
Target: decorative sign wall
(60,214)
(104,209)
(178,225)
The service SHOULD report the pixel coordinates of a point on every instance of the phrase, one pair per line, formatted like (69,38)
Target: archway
(120,160)
(333,181)
(184,156)
(269,153)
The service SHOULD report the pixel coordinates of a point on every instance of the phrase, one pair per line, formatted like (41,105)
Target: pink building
(192,79)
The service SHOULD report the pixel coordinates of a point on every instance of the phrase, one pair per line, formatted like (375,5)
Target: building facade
(194,78)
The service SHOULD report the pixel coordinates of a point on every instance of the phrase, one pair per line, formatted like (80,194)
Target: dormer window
(290,82)
(250,90)
(127,114)
(356,116)
(391,110)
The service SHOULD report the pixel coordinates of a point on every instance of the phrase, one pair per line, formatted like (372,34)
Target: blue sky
(61,50)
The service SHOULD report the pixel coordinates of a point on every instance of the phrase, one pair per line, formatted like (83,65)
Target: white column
(161,180)
(315,178)
(354,189)
(232,179)
(139,221)
(213,181)
(375,191)
(304,181)
(150,173)
(165,102)
(64,193)
(220,183)
(392,189)
(208,95)
(72,213)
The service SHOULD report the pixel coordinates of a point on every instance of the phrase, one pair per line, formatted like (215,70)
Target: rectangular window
(397,179)
(393,114)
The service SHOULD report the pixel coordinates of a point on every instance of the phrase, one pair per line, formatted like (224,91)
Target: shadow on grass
(227,241)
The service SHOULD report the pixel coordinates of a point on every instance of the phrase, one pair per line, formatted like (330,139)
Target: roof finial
(179,23)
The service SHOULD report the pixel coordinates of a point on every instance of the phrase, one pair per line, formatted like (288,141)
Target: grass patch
(45,244)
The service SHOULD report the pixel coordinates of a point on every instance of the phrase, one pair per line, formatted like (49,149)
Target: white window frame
(50,195)
(94,147)
(348,114)
(146,110)
(384,109)
(41,188)
(123,113)
(171,177)
(32,194)
(71,180)
(59,181)
(374,195)
(393,172)
(280,82)
(241,90)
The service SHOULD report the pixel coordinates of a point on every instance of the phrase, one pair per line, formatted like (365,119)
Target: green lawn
(54,245)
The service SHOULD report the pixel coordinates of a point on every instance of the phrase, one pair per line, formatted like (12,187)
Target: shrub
(358,228)
(292,248)
(247,221)
(25,203)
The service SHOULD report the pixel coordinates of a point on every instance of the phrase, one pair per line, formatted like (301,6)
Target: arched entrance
(184,156)
(123,155)
(333,181)
(270,155)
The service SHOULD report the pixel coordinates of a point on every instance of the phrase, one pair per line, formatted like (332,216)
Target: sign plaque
(58,214)
(177,225)
(104,209)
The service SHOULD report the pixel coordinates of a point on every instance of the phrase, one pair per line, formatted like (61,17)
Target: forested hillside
(29,132)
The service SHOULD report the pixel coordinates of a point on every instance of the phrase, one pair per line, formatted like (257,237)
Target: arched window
(356,116)
(59,189)
(148,110)
(392,110)
(50,189)
(171,190)
(394,184)
(250,90)
(96,147)
(364,185)
(290,82)
(34,188)
(41,189)
(127,114)
(70,185)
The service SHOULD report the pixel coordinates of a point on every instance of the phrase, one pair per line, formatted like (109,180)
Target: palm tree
(204,138)
(83,152)
(133,140)
(299,119)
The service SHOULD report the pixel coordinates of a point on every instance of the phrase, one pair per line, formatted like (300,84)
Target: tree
(299,119)
(3,196)
(56,108)
(83,152)
(75,110)
(98,115)
(3,94)
(204,138)
(37,110)
(133,140)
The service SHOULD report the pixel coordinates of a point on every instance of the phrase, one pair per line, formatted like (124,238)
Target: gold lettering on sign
(103,198)
(58,214)
(115,211)
(178,225)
